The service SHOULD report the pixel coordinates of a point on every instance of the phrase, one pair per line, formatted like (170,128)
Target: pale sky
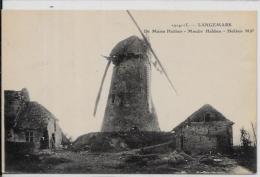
(56,55)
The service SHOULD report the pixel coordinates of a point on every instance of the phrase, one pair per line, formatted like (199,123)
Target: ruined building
(205,130)
(28,121)
(129,104)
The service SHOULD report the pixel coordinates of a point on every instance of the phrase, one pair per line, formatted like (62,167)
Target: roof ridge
(201,110)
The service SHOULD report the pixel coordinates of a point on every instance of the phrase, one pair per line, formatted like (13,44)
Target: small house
(29,122)
(204,131)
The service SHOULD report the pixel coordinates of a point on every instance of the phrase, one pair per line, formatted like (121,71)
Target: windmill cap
(130,45)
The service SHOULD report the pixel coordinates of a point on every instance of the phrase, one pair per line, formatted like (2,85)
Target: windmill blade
(150,47)
(100,88)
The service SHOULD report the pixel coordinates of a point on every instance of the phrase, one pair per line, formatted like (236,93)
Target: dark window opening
(182,141)
(121,99)
(29,137)
(113,98)
(207,117)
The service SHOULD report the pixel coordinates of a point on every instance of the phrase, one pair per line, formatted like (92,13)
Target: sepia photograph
(129,92)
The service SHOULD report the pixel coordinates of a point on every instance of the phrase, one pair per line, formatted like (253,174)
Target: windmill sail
(150,47)
(100,88)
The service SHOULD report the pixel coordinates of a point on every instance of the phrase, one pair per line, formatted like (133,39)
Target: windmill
(129,103)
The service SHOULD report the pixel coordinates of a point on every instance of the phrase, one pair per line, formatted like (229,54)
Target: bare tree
(245,139)
(253,129)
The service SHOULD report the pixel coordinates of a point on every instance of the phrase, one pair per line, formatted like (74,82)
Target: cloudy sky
(56,55)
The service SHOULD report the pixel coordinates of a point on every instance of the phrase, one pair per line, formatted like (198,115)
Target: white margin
(194,5)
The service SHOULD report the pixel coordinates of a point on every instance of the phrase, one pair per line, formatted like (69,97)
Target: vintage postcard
(129,92)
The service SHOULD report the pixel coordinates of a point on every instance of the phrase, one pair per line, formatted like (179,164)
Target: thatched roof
(34,116)
(205,113)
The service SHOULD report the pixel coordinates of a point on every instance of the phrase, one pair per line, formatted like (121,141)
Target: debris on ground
(186,156)
(122,141)
(153,159)
(175,158)
(126,162)
(206,160)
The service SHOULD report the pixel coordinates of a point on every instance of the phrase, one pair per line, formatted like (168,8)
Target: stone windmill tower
(129,103)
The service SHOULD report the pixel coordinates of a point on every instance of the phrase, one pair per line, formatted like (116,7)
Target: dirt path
(239,170)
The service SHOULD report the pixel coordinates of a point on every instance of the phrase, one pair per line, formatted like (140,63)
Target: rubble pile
(122,141)
(174,162)
(157,162)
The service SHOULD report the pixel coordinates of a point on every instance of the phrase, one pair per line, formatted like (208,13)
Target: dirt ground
(65,161)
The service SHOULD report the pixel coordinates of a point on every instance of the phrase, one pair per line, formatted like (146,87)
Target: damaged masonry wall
(205,130)
(205,136)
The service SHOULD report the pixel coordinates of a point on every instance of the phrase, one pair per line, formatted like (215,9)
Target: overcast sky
(57,57)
